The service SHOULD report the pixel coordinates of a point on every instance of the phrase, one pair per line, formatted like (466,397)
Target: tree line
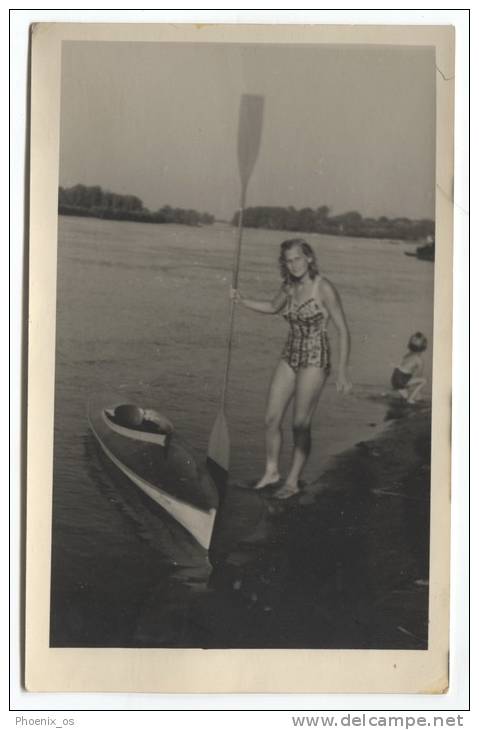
(93,201)
(320,220)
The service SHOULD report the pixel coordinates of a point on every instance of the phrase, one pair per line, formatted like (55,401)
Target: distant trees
(92,201)
(351,223)
(94,197)
(287,219)
(187,217)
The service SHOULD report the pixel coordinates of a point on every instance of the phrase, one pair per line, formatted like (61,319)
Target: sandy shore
(344,565)
(387,462)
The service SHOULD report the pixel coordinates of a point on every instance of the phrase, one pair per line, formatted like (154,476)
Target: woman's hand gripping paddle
(249,138)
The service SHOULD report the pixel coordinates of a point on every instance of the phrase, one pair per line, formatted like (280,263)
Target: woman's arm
(335,308)
(272,307)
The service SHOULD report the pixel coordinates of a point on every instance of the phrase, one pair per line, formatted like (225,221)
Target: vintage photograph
(244,346)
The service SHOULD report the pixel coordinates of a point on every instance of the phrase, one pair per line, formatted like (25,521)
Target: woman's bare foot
(269,479)
(287,491)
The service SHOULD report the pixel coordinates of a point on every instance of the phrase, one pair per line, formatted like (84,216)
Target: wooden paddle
(249,138)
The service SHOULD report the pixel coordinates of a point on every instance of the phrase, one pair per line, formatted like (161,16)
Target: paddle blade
(219,443)
(249,134)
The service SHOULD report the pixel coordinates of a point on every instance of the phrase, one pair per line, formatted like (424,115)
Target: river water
(144,309)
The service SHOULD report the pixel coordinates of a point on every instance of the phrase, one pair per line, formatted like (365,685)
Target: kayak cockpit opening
(139,419)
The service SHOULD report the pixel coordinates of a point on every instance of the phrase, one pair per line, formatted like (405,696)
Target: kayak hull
(164,467)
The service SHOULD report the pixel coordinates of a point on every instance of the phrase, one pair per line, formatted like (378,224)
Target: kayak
(144,446)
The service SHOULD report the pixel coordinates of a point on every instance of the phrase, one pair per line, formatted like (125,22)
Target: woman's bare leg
(415,385)
(280,393)
(309,384)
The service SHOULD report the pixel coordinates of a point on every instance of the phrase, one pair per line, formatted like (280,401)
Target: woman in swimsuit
(307,301)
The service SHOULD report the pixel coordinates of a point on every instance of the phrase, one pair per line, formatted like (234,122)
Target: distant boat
(425,252)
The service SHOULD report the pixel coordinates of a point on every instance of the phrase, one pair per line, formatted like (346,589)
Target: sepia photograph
(248,350)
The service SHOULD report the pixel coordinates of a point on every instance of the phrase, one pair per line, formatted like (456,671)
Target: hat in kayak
(129,416)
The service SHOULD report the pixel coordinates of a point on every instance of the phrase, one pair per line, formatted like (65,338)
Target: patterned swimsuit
(307,344)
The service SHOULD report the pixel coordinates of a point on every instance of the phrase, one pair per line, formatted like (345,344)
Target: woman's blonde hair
(307,251)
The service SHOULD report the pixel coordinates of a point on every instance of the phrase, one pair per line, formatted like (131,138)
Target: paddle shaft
(249,137)
(235,277)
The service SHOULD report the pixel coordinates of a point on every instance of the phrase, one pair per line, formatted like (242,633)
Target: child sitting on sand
(406,379)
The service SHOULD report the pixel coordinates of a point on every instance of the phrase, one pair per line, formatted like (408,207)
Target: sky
(350,127)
